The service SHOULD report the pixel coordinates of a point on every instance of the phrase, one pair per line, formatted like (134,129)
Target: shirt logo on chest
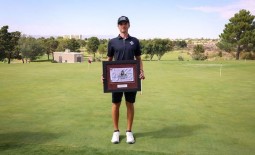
(131,43)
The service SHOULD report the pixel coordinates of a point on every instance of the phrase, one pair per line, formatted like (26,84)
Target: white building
(72,36)
(68,57)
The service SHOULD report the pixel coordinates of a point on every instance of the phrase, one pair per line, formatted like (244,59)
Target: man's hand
(102,78)
(142,75)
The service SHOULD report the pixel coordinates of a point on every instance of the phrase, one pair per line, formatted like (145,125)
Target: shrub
(146,57)
(198,53)
(200,56)
(247,55)
(220,54)
(5,60)
(98,59)
(180,58)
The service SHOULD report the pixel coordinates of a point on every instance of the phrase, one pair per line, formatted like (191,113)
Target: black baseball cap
(123,19)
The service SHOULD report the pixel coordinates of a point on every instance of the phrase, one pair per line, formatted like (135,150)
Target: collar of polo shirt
(123,38)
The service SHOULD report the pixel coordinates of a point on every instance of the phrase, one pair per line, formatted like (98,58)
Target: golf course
(186,107)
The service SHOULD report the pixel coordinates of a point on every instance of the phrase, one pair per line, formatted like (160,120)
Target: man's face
(123,27)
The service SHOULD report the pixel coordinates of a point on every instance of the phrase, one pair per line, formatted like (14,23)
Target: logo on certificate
(121,74)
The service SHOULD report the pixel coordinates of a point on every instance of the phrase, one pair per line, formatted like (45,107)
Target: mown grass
(185,108)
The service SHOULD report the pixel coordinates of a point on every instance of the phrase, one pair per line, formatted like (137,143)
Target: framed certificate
(121,76)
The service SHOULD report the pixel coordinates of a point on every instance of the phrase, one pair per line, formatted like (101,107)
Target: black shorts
(129,96)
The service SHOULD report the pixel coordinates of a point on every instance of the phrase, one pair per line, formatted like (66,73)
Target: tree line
(159,47)
(13,45)
(238,36)
(26,48)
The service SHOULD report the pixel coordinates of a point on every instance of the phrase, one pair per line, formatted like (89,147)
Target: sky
(174,19)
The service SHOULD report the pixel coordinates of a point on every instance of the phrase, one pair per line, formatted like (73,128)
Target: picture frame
(121,76)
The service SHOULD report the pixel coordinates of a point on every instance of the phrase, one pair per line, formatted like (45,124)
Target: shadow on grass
(122,137)
(42,60)
(20,139)
(177,131)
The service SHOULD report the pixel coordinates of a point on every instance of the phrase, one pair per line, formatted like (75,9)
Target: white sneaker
(115,137)
(130,138)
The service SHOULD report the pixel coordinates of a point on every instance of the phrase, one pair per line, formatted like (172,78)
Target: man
(124,47)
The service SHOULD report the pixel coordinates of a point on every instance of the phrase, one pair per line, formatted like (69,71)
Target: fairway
(186,108)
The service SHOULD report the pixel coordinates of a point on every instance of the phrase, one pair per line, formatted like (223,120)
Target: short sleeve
(138,49)
(110,51)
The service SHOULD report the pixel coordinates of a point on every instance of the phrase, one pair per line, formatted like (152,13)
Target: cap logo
(123,18)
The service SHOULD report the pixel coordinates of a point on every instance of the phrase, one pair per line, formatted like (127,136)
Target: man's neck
(124,35)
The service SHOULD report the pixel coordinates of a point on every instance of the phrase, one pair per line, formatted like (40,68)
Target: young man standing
(124,47)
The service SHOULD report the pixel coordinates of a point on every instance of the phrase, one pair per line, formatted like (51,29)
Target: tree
(31,48)
(239,33)
(4,38)
(162,46)
(92,45)
(102,48)
(180,44)
(73,45)
(103,41)
(147,48)
(62,44)
(82,42)
(198,52)
(226,46)
(50,44)
(8,43)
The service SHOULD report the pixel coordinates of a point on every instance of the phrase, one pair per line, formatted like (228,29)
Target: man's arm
(141,67)
(108,59)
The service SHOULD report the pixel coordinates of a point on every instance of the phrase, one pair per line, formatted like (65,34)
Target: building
(72,36)
(68,57)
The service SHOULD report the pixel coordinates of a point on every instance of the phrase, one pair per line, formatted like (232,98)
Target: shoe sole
(130,142)
(115,142)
